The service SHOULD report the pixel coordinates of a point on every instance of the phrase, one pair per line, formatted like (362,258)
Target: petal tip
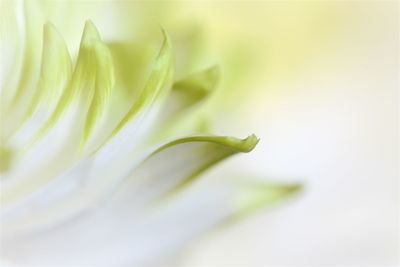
(250,143)
(90,33)
(257,196)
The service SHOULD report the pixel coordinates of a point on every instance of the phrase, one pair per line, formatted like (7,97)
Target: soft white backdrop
(334,124)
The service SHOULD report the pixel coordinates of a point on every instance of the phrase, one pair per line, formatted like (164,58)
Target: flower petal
(253,196)
(83,80)
(115,156)
(106,168)
(182,113)
(171,166)
(103,83)
(55,60)
(196,87)
(157,84)
(11,54)
(164,171)
(21,81)
(177,163)
(54,146)
(117,235)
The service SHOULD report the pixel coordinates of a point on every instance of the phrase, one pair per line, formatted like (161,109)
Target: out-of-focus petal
(195,87)
(90,181)
(176,164)
(54,146)
(129,219)
(21,82)
(55,60)
(119,147)
(182,114)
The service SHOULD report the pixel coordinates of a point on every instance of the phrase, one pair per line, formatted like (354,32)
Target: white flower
(91,172)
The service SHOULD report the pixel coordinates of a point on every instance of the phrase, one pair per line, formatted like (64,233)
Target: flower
(96,169)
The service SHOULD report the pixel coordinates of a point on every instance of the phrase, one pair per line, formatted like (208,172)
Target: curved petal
(103,83)
(195,87)
(177,163)
(171,226)
(171,166)
(124,230)
(54,147)
(132,64)
(117,235)
(182,113)
(115,156)
(11,56)
(55,60)
(106,168)
(156,85)
(83,81)
(21,93)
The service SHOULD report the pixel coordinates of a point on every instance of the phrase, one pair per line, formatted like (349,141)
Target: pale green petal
(117,149)
(55,60)
(253,196)
(84,80)
(21,82)
(103,84)
(164,171)
(179,162)
(196,87)
(120,141)
(6,156)
(11,54)
(157,85)
(132,62)
(53,148)
(32,22)
(181,114)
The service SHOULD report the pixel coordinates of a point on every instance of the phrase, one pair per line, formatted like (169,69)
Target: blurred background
(322,92)
(323,97)
(318,82)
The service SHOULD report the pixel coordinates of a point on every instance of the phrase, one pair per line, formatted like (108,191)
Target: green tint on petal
(24,77)
(83,81)
(6,156)
(202,125)
(84,76)
(229,143)
(157,85)
(197,86)
(104,82)
(258,195)
(55,60)
(131,64)
(177,163)
(32,15)
(181,115)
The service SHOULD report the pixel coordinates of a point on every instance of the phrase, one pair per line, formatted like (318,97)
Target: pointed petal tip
(293,188)
(167,43)
(50,31)
(48,26)
(164,31)
(249,143)
(90,33)
(257,196)
(89,24)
